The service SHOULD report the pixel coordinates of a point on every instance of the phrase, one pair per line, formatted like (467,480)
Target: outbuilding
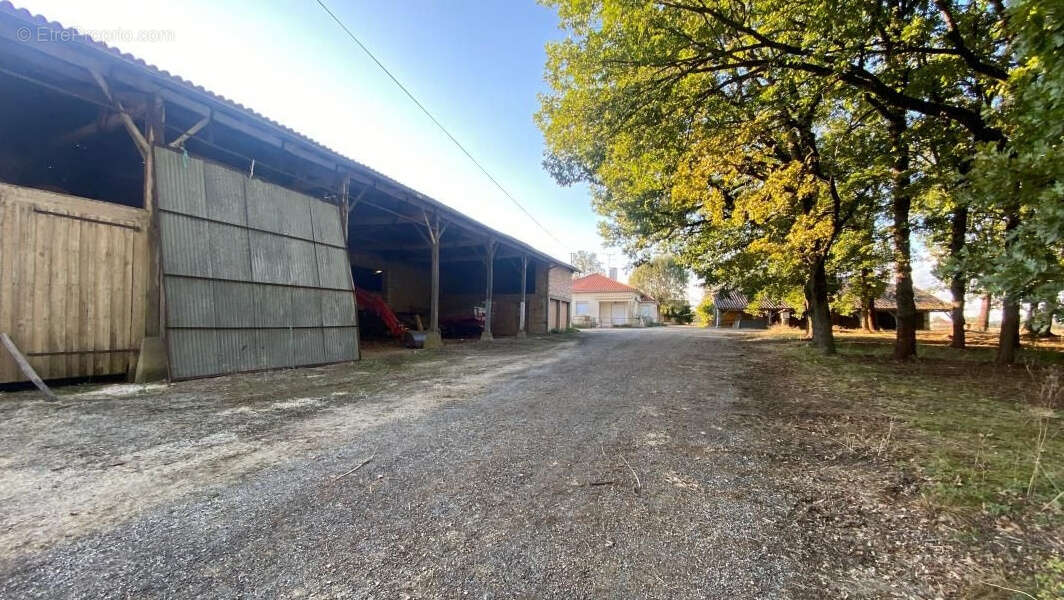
(150,227)
(604,302)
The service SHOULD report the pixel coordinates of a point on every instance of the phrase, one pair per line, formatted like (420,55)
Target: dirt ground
(609,463)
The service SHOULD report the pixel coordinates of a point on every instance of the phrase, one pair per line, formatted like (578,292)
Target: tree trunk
(1009,340)
(983,321)
(958,280)
(816,293)
(905,343)
(868,315)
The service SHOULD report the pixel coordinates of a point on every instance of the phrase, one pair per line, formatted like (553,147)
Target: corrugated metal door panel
(225,195)
(327,226)
(179,183)
(332,263)
(189,303)
(302,262)
(306,307)
(340,342)
(234,304)
(230,254)
(273,306)
(295,215)
(337,309)
(251,297)
(184,244)
(194,353)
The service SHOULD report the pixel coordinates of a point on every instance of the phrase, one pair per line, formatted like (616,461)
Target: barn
(153,229)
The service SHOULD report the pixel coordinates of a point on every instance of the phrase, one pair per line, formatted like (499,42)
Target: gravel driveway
(604,464)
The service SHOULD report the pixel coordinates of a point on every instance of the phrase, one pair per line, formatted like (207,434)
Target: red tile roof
(597,282)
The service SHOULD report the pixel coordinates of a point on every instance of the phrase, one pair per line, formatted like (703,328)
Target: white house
(599,301)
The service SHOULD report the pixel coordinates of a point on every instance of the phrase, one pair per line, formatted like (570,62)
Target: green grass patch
(974,430)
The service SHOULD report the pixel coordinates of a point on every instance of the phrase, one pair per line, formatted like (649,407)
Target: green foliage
(751,140)
(705,310)
(586,263)
(662,278)
(680,313)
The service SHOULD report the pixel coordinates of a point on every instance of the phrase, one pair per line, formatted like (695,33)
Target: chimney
(613,273)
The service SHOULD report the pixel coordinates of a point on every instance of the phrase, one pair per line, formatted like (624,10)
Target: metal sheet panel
(179,183)
(337,308)
(184,245)
(245,263)
(193,353)
(307,347)
(234,304)
(230,254)
(273,306)
(189,302)
(263,205)
(341,343)
(239,350)
(333,268)
(295,214)
(269,258)
(302,262)
(276,345)
(306,307)
(327,226)
(224,191)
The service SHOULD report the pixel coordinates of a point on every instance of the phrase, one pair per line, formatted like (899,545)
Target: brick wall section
(560,283)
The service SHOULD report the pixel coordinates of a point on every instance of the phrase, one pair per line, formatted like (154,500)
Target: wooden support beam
(25,367)
(435,233)
(131,127)
(522,325)
(489,259)
(181,139)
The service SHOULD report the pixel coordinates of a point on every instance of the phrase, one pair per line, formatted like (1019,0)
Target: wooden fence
(72,283)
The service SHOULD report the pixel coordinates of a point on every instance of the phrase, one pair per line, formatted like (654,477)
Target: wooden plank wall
(72,283)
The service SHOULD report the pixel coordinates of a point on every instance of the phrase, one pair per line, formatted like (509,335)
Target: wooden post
(522,326)
(152,359)
(489,259)
(435,233)
(345,205)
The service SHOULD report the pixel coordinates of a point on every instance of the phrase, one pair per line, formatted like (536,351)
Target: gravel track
(607,466)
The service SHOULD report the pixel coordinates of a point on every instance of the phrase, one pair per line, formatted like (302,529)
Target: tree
(663,279)
(678,112)
(586,263)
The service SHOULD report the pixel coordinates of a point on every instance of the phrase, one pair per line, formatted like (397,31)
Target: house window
(583,308)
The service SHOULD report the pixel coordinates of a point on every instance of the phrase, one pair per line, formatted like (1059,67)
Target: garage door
(620,313)
(256,275)
(552,315)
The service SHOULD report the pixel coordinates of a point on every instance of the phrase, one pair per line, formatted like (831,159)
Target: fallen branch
(638,485)
(611,482)
(360,465)
(1008,589)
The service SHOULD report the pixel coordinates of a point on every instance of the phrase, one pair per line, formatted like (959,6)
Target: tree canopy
(662,278)
(777,146)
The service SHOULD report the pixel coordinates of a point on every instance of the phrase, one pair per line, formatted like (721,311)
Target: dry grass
(983,443)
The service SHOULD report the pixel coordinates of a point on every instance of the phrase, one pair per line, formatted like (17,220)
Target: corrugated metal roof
(77,38)
(738,301)
(888,300)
